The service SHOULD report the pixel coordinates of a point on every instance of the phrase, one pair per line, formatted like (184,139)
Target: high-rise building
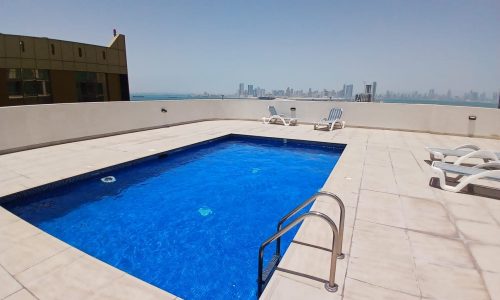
(348,91)
(374,90)
(341,93)
(241,90)
(250,90)
(431,94)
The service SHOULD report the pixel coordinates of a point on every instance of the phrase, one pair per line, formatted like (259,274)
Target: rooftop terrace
(403,238)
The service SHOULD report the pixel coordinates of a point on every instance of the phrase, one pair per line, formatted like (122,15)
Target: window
(80,53)
(15,84)
(104,55)
(30,85)
(91,86)
(21,46)
(52,49)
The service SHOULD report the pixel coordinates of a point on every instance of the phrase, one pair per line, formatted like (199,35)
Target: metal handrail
(330,286)
(304,204)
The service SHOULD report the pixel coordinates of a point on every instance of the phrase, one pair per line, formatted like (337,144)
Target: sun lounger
(463,152)
(466,175)
(332,120)
(275,117)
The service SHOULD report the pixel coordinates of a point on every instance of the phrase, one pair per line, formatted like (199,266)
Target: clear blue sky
(197,46)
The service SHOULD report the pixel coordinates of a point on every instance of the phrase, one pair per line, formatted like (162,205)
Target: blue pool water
(189,222)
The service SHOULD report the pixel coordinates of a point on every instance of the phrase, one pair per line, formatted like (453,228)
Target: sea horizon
(180,96)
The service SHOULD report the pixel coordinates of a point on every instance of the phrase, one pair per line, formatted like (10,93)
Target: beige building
(36,70)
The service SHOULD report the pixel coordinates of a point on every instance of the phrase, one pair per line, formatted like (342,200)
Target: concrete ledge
(25,127)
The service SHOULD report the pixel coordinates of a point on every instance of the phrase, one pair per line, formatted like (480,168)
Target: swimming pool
(189,221)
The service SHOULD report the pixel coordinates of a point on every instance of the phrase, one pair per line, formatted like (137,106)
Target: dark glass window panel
(43,74)
(15,88)
(52,49)
(81,76)
(31,88)
(28,74)
(92,77)
(99,89)
(90,86)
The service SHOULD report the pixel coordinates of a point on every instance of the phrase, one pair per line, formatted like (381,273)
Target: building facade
(241,90)
(36,70)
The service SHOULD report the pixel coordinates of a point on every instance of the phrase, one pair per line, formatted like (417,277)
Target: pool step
(269,270)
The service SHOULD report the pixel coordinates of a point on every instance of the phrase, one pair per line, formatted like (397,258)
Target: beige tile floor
(403,239)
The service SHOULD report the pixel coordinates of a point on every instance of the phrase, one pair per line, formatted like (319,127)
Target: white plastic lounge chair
(332,120)
(274,117)
(467,175)
(463,152)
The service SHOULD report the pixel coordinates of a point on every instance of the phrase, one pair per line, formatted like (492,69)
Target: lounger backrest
(272,111)
(335,114)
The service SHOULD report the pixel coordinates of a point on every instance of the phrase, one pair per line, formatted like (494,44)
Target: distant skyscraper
(431,94)
(250,90)
(448,94)
(241,91)
(348,91)
(374,90)
(341,93)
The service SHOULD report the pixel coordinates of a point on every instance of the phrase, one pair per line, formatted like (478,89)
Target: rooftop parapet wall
(441,119)
(24,127)
(18,51)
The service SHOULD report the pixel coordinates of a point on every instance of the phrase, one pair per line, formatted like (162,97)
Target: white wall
(35,125)
(412,117)
(25,126)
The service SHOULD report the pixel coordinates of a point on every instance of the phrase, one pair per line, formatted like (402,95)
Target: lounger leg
(284,122)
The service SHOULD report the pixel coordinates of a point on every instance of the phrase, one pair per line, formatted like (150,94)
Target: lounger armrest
(467,146)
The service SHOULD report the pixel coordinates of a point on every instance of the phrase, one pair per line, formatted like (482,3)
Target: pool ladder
(337,236)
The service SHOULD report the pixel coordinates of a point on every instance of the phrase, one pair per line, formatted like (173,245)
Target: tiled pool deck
(403,239)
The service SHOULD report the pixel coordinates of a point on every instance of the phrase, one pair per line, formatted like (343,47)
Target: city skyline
(188,46)
(348,92)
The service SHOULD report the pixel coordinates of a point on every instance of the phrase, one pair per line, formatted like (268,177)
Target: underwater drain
(205,211)
(108,179)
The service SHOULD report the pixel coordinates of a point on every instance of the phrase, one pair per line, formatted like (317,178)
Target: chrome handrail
(304,204)
(330,285)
